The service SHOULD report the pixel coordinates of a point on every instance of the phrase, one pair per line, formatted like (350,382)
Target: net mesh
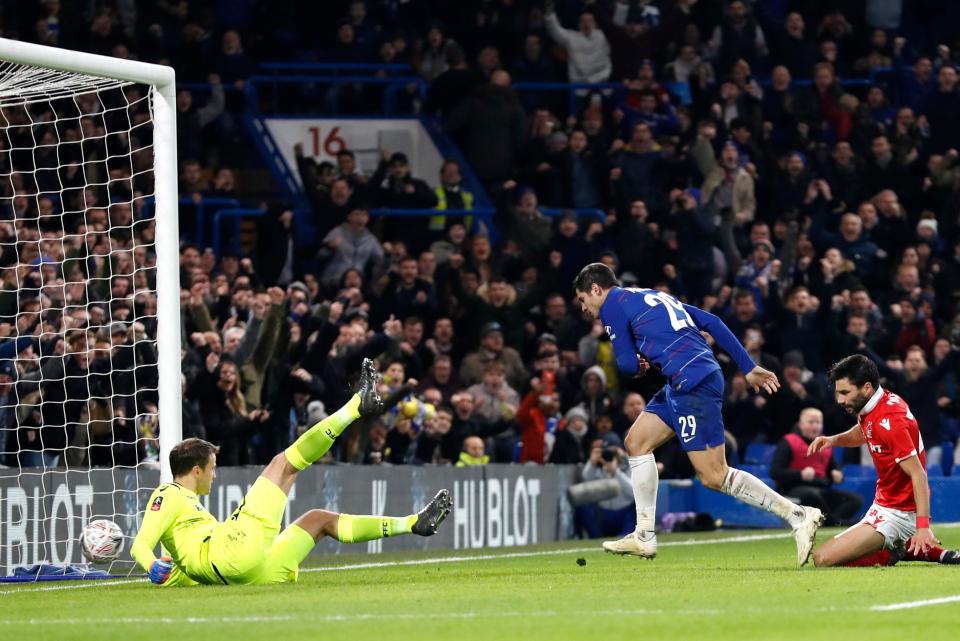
(78,311)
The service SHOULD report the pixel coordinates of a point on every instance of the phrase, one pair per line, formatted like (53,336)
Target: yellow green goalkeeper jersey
(175,518)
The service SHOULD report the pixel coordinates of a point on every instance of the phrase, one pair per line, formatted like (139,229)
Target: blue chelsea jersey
(667,333)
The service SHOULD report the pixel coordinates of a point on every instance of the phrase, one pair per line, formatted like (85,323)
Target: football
(101,541)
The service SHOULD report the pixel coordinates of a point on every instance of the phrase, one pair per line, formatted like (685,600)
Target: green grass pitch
(699,587)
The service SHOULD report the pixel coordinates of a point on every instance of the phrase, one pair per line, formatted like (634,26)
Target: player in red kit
(900,513)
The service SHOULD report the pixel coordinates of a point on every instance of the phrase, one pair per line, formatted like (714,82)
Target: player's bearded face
(852,398)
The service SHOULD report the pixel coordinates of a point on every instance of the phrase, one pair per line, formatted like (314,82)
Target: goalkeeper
(249,547)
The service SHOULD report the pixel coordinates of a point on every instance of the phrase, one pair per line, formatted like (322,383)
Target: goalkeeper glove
(160,570)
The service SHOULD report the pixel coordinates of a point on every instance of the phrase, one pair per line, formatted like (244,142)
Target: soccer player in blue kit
(651,328)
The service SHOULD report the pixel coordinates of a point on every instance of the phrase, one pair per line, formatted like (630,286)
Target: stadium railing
(393,85)
(582,212)
(235,214)
(334,67)
(576,90)
(201,209)
(481,215)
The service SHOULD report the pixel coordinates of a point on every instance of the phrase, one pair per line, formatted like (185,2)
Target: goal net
(89,298)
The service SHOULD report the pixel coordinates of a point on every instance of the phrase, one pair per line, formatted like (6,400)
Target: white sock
(746,487)
(643,470)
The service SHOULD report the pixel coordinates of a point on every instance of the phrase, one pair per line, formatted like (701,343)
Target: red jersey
(893,435)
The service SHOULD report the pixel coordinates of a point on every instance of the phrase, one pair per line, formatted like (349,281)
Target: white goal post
(68,105)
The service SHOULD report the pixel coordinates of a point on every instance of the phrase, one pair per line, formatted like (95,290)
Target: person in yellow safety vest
(451,195)
(473,453)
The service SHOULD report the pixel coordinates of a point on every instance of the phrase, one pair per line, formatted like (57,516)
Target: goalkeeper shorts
(247,548)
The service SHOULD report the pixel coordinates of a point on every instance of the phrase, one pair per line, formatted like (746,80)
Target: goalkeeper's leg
(316,441)
(295,542)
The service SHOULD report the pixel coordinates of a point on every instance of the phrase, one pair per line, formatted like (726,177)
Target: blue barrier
(484,214)
(869,81)
(334,66)
(393,85)
(680,90)
(236,215)
(201,208)
(599,214)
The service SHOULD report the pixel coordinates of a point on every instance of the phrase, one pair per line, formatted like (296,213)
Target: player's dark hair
(190,452)
(594,274)
(858,369)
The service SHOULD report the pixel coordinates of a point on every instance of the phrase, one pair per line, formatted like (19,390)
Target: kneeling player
(900,513)
(249,547)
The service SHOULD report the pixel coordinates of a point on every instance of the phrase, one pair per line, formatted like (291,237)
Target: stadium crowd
(815,220)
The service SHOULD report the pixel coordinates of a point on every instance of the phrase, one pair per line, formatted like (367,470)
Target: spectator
(351,245)
(489,126)
(939,109)
(637,170)
(393,187)
(528,228)
(432,59)
(450,195)
(594,398)
(809,478)
(442,376)
(611,516)
(533,65)
(726,184)
(739,36)
(492,349)
(694,224)
(193,120)
(630,40)
(588,52)
(493,399)
(797,53)
(539,417)
(405,294)
(573,439)
(473,453)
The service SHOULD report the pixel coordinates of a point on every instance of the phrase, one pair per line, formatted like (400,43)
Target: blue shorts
(695,414)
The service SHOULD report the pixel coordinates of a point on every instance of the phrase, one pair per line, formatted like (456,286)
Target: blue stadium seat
(759,454)
(935,472)
(947,460)
(761,471)
(859,471)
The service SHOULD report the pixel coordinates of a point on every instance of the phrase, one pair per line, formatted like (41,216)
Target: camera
(609,454)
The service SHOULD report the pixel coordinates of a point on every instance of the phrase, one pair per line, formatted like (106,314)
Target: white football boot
(805,533)
(631,544)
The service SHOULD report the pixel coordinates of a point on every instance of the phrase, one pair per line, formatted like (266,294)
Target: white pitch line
(363,616)
(71,586)
(906,605)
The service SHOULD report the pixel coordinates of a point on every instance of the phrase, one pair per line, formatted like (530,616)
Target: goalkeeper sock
(316,441)
(746,487)
(355,529)
(643,470)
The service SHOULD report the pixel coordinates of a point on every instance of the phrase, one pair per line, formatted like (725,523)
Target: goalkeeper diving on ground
(249,548)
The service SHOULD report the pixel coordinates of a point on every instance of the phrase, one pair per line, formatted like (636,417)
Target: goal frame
(162,82)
